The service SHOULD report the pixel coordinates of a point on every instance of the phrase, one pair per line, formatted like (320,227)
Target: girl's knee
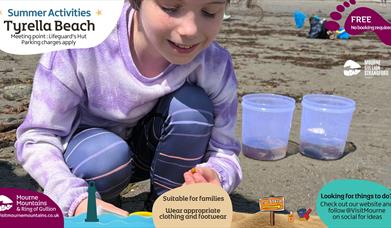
(194,96)
(192,103)
(99,155)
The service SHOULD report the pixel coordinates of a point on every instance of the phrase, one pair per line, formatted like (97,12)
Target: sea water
(270,149)
(109,220)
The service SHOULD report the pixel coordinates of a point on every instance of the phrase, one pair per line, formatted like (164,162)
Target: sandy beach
(270,56)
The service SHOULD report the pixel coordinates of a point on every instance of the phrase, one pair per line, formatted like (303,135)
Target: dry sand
(270,56)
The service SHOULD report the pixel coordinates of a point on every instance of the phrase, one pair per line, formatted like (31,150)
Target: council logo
(351,68)
(5,203)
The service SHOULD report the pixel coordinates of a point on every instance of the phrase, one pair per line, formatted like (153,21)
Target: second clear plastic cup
(266,124)
(325,123)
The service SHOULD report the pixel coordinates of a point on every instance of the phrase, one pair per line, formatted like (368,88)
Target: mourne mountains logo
(5,203)
(351,68)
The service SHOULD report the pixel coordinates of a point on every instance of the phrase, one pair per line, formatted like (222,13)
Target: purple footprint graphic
(361,20)
(332,25)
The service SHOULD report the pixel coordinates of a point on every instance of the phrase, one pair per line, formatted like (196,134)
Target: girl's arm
(223,148)
(51,117)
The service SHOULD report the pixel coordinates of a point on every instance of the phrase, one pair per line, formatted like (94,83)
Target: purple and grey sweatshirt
(102,87)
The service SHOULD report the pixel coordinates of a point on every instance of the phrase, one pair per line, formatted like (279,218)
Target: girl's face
(180,29)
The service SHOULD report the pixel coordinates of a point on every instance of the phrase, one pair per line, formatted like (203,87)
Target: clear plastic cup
(266,124)
(325,123)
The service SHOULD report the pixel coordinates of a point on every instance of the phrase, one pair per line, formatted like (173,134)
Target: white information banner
(36,26)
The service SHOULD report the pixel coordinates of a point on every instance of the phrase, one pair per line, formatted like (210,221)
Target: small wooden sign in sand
(272,204)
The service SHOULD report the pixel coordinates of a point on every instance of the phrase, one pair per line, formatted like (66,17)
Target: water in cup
(266,124)
(325,148)
(325,123)
(269,149)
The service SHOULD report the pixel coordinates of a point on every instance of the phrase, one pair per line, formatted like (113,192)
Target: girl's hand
(82,208)
(201,175)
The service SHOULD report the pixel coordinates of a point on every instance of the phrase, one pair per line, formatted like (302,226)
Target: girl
(155,99)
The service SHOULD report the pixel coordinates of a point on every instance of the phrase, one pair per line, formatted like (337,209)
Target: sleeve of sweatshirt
(223,149)
(52,113)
